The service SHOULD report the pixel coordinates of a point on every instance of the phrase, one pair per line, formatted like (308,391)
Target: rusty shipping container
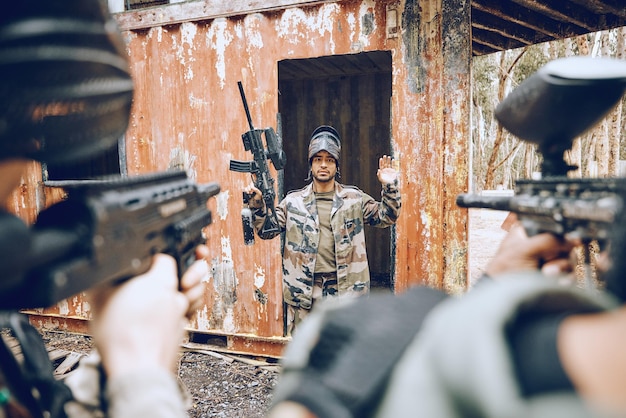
(392,76)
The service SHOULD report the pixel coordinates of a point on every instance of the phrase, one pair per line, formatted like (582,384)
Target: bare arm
(591,349)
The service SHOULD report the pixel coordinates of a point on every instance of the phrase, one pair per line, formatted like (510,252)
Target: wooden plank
(202,349)
(191,11)
(68,364)
(16,348)
(57,354)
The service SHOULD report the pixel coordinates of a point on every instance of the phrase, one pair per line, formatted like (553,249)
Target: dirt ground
(233,387)
(217,385)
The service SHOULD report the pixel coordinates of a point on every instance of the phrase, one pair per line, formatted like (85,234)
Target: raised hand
(386,173)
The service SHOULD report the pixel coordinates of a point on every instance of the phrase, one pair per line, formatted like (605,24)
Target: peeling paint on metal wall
(218,39)
(308,26)
(423,233)
(411,22)
(222,204)
(224,283)
(188,33)
(368,21)
(457,55)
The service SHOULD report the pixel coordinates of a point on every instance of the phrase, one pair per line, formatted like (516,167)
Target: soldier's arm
(384,213)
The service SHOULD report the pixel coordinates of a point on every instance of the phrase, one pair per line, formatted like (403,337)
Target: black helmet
(325,138)
(65,85)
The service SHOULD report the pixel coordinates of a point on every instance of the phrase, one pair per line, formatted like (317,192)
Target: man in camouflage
(324,253)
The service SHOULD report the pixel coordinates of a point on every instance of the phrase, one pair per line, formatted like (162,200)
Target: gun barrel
(117,182)
(245,105)
(470,200)
(209,190)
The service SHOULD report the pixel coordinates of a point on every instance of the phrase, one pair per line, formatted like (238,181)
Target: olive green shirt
(325,261)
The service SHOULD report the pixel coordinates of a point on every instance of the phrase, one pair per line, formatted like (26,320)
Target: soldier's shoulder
(349,189)
(299,191)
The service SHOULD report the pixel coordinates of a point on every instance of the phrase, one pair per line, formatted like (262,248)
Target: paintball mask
(65,86)
(325,138)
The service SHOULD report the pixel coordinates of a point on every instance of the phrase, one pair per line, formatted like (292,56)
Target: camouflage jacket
(351,210)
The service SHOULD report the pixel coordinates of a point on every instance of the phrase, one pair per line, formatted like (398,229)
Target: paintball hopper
(559,102)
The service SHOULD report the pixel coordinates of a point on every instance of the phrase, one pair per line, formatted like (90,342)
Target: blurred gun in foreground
(259,167)
(106,230)
(551,108)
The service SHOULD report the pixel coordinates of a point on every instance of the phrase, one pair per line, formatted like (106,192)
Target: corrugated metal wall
(186,60)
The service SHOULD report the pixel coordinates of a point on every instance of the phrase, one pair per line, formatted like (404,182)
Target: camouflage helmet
(65,85)
(325,138)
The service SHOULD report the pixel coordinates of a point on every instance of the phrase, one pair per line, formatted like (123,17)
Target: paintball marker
(553,106)
(260,169)
(106,230)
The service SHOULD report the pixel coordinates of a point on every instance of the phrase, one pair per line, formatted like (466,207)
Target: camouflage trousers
(324,285)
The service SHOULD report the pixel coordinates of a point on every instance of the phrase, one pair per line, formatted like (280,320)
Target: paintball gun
(553,106)
(550,108)
(260,169)
(106,230)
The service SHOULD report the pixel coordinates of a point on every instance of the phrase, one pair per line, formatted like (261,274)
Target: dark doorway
(353,94)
